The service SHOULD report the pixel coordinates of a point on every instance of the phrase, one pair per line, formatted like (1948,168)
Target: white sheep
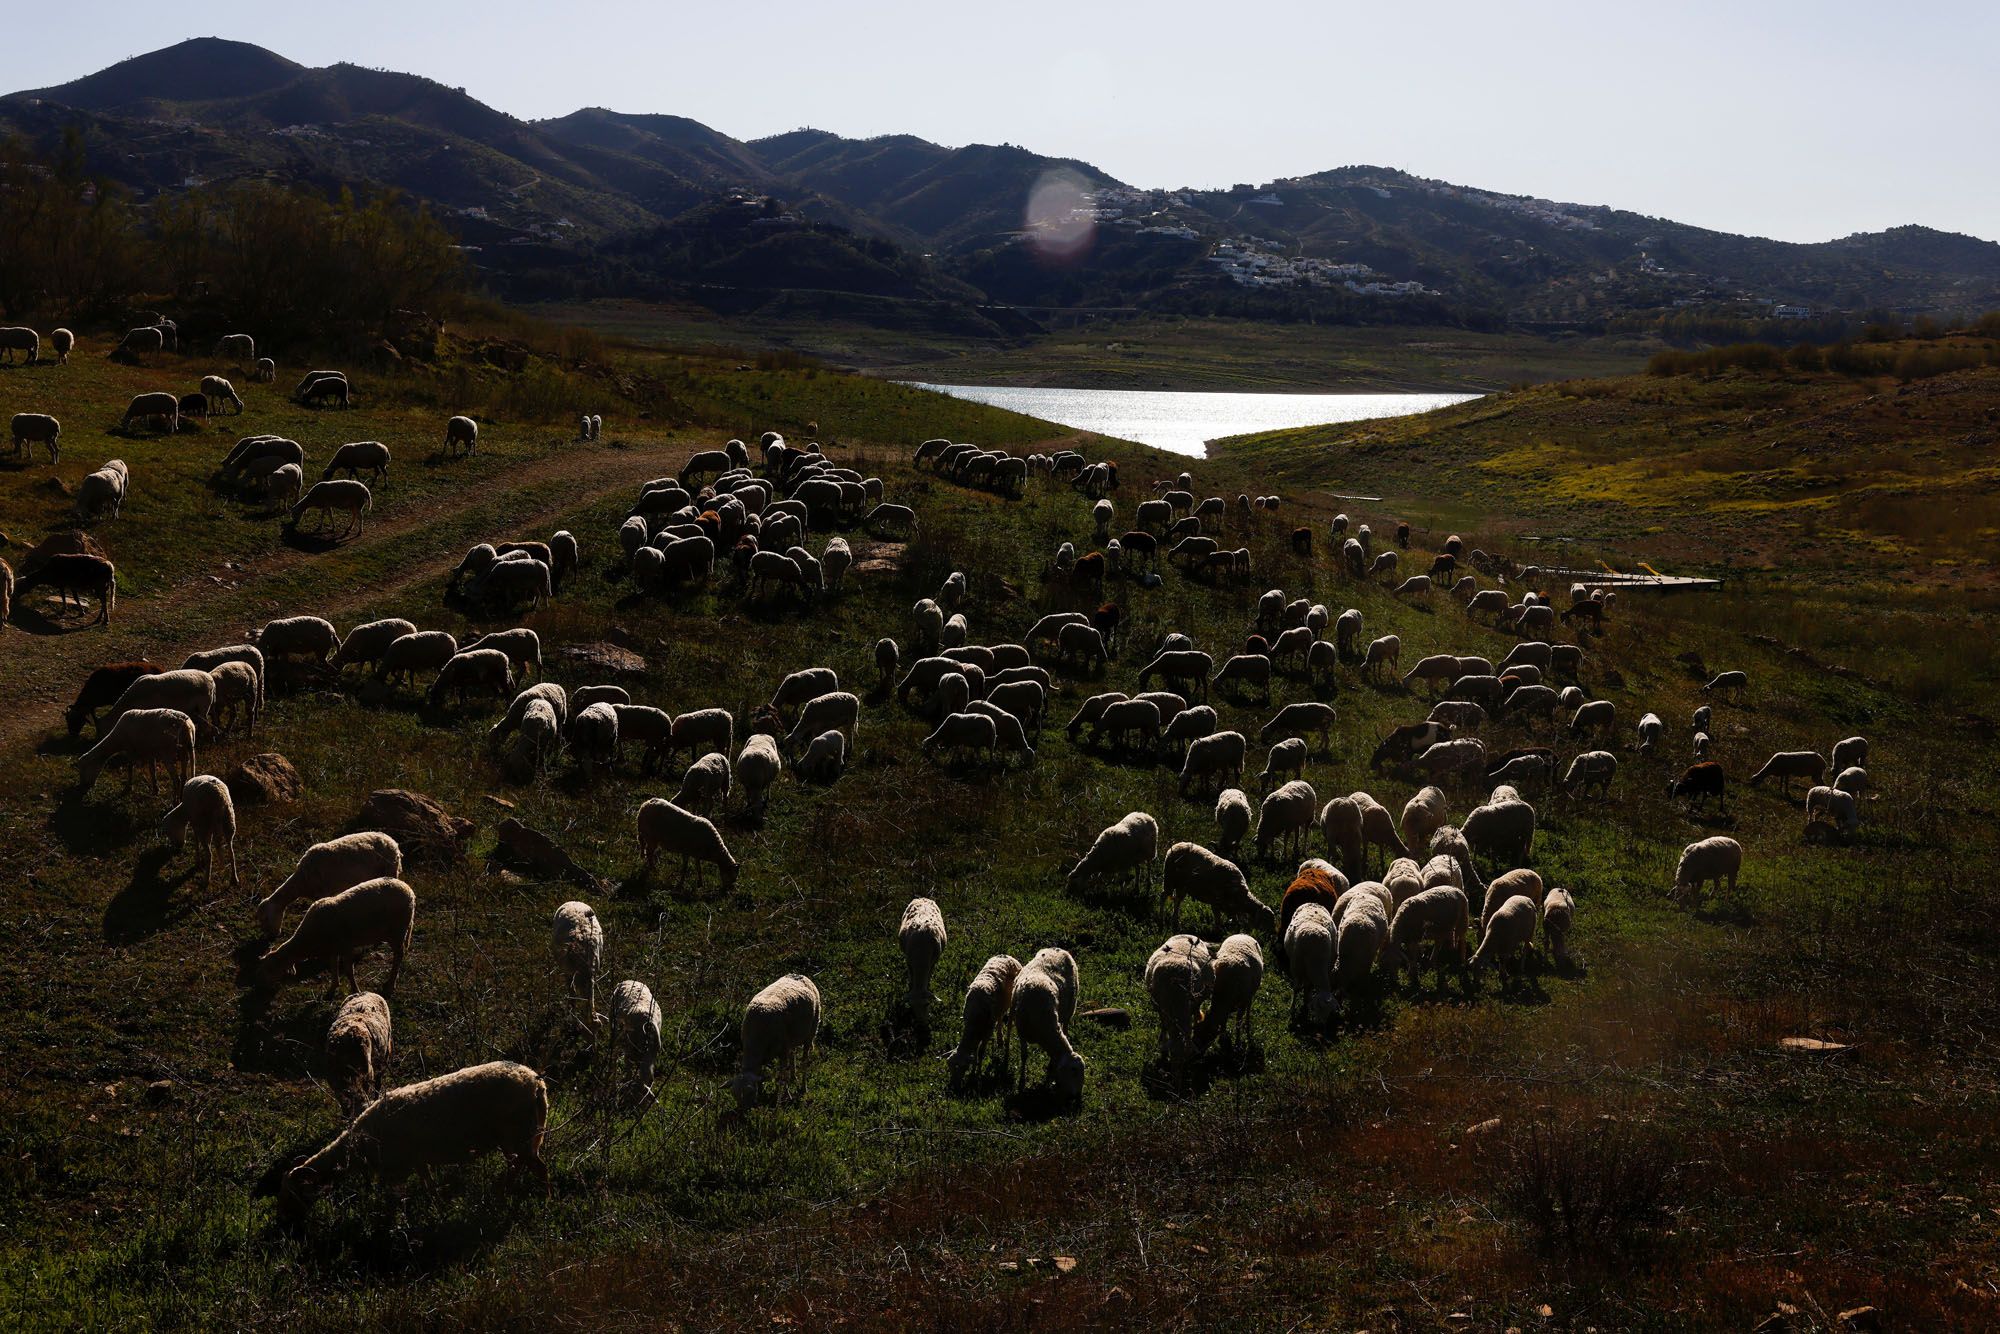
(1192,871)
(1286,817)
(988,1000)
(1423,815)
(758,766)
(359,1043)
(342,928)
(1360,930)
(1558,916)
(439,1122)
(1591,769)
(1127,848)
(328,868)
(665,827)
(1308,957)
(1716,861)
(206,808)
(1238,970)
(1180,978)
(705,785)
(1509,929)
(576,943)
(418,651)
(1834,806)
(152,737)
(190,690)
(461,435)
(1440,917)
(921,936)
(780,1024)
(1044,1003)
(1233,817)
(635,1027)
(481,670)
(342,494)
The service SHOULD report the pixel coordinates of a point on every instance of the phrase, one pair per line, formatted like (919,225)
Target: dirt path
(190,615)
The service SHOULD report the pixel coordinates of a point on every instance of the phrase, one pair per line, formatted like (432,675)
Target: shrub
(1597,1184)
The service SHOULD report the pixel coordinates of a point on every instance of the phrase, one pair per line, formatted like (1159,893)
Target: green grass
(1336,1184)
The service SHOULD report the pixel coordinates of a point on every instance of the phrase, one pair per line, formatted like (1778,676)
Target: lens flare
(1062,217)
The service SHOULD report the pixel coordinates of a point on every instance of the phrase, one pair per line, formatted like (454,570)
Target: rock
(1067,1263)
(265,780)
(426,831)
(1484,1128)
(1861,1317)
(608,658)
(162,1090)
(1110,1016)
(1815,1046)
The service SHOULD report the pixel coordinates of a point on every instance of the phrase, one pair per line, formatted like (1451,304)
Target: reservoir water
(1185,421)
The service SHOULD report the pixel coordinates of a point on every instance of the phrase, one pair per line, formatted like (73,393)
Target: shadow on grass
(315,543)
(147,905)
(36,621)
(267,1043)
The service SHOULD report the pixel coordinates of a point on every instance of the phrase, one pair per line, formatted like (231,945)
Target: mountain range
(603,202)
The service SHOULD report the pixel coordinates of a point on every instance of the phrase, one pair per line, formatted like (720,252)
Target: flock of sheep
(1371,895)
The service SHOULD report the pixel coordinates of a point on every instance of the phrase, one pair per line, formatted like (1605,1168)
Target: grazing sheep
(480,670)
(157,406)
(265,372)
(1218,756)
(635,1027)
(825,758)
(1237,970)
(522,646)
(962,732)
(1286,817)
(151,737)
(1853,780)
(1308,953)
(576,943)
(594,736)
(146,338)
(1789,765)
(921,936)
(340,929)
(103,687)
(1192,871)
(214,388)
(1716,861)
(1851,753)
(988,1000)
(548,692)
(1509,929)
(780,1024)
(1043,1005)
(238,696)
(758,766)
(61,342)
(1439,917)
(190,690)
(1360,930)
(1598,715)
(1732,683)
(702,730)
(417,651)
(1127,848)
(103,492)
(461,436)
(329,868)
(1591,769)
(1504,829)
(1423,815)
(207,809)
(1286,757)
(1558,916)
(1180,978)
(1700,783)
(358,1046)
(1505,886)
(1180,667)
(705,785)
(1834,806)
(1449,842)
(1651,730)
(665,827)
(240,345)
(1460,758)
(37,428)
(355,456)
(1381,653)
(343,494)
(1301,720)
(452,1119)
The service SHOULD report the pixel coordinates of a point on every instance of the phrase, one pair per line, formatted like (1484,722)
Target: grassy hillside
(1338,1181)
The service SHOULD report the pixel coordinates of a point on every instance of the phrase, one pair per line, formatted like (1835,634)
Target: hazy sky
(1789,119)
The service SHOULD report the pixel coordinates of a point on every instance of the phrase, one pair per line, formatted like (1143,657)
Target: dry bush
(1596,1184)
